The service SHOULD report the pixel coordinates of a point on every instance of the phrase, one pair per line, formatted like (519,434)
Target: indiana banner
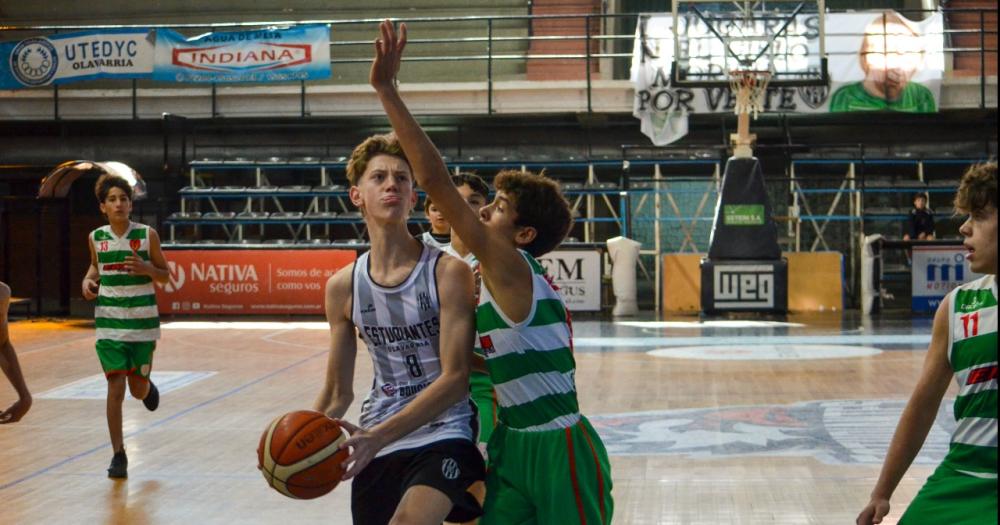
(274,54)
(71,57)
(876,61)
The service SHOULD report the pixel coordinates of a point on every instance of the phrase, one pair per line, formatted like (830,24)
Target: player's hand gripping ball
(299,454)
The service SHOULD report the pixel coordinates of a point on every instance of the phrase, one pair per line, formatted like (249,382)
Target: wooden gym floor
(725,422)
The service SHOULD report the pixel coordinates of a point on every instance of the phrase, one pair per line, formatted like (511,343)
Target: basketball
(299,454)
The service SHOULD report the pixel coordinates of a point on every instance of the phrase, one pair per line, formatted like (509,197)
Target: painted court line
(160,422)
(640,342)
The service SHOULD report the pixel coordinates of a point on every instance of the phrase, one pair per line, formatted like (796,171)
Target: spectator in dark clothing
(920,225)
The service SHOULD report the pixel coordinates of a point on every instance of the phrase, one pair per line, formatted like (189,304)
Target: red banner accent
(213,282)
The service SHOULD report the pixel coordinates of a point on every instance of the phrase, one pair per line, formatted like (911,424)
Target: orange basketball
(299,454)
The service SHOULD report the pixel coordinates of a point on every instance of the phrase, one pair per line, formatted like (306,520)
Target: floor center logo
(177,277)
(34,61)
(826,430)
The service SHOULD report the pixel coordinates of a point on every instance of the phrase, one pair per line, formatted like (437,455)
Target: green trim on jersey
(126,304)
(531,363)
(972,326)
(125,280)
(120,255)
(510,367)
(104,233)
(126,324)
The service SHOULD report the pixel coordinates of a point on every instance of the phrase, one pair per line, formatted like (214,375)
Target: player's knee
(116,388)
(404,517)
(4,292)
(138,387)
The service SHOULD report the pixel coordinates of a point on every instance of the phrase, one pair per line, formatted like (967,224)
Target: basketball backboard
(713,39)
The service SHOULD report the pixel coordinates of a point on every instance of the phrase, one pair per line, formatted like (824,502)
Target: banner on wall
(72,57)
(876,61)
(937,270)
(274,54)
(577,273)
(249,281)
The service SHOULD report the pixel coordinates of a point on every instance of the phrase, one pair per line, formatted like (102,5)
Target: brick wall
(563,69)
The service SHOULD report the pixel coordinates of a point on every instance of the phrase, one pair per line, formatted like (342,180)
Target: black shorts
(450,466)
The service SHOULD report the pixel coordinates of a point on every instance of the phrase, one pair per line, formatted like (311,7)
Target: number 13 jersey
(401,325)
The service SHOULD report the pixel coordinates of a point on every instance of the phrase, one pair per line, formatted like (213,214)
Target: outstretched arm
(338,389)
(455,288)
(428,167)
(916,421)
(504,270)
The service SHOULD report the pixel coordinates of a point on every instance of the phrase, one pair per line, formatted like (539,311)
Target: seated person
(920,224)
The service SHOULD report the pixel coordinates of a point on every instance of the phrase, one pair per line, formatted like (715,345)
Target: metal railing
(490,41)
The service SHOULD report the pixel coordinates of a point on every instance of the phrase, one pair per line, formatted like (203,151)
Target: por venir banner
(273,54)
(248,281)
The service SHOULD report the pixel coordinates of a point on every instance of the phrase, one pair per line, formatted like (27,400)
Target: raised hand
(388,55)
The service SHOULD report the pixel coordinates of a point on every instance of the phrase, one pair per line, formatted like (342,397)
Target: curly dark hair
(978,190)
(539,203)
(106,182)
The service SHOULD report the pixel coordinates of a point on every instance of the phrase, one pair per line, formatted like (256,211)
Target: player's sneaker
(119,466)
(152,399)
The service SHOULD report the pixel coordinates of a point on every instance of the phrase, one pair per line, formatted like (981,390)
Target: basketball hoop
(749,86)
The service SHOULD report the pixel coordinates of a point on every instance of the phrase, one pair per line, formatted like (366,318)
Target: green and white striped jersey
(531,363)
(973,356)
(126,304)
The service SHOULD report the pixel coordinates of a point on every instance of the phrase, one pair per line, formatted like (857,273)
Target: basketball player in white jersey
(412,453)
(547,463)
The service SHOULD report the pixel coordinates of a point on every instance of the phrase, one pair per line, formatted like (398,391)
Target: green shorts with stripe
(953,498)
(485,398)
(134,358)
(556,476)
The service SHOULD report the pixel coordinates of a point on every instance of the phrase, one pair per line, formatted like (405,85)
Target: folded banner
(877,61)
(273,54)
(71,57)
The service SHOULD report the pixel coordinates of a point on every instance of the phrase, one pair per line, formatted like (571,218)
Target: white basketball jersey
(401,326)
(428,238)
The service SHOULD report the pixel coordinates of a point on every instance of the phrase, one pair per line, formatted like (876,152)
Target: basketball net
(749,86)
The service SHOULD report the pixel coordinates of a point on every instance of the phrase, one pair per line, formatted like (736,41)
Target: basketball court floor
(707,422)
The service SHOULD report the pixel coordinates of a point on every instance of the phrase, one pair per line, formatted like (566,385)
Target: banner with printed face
(937,270)
(577,274)
(71,57)
(876,61)
(274,54)
(248,281)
